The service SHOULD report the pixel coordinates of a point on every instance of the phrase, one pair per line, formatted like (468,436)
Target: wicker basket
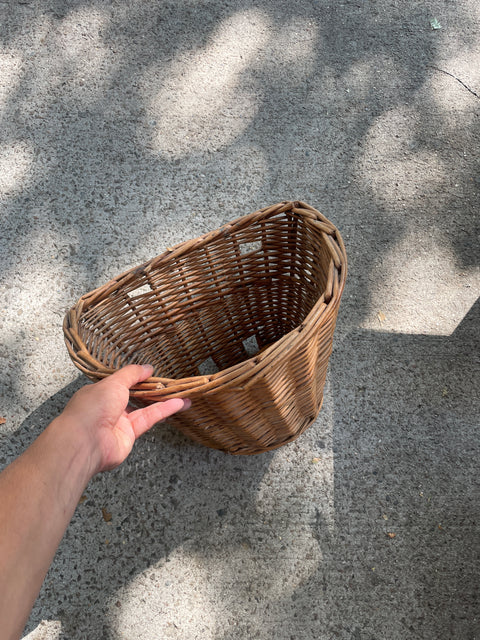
(240,320)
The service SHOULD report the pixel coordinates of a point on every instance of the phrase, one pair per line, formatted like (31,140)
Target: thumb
(131,374)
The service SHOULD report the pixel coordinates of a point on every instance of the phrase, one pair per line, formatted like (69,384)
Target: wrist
(79,450)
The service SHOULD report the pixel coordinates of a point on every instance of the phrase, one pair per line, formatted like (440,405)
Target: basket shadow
(170,493)
(405,446)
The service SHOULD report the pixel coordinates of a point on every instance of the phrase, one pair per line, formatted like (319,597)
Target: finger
(143,419)
(132,374)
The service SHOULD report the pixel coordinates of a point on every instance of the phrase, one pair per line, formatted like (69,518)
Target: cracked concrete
(128,127)
(452,75)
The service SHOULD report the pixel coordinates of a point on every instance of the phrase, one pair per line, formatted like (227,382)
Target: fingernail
(148,368)
(187,403)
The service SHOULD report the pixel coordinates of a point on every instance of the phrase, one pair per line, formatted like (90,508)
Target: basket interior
(215,305)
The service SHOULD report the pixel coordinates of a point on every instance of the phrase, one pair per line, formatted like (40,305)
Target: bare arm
(40,490)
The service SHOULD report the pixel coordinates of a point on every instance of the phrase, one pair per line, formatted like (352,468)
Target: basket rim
(241,375)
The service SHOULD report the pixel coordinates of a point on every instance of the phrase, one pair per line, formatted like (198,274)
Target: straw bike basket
(240,320)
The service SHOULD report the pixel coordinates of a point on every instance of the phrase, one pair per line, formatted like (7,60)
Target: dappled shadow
(84,104)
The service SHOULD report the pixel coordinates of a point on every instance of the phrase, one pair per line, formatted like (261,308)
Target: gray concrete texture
(129,126)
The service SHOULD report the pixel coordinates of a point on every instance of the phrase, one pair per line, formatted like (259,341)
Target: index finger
(142,419)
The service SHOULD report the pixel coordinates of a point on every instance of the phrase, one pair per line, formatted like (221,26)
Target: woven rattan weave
(240,320)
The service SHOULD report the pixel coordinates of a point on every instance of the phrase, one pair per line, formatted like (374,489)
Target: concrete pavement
(127,127)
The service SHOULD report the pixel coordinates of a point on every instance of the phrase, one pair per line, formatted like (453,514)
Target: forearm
(38,496)
(40,490)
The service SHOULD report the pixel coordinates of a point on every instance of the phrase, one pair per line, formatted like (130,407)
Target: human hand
(100,412)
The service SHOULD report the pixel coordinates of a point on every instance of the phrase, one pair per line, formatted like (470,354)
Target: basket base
(248,449)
